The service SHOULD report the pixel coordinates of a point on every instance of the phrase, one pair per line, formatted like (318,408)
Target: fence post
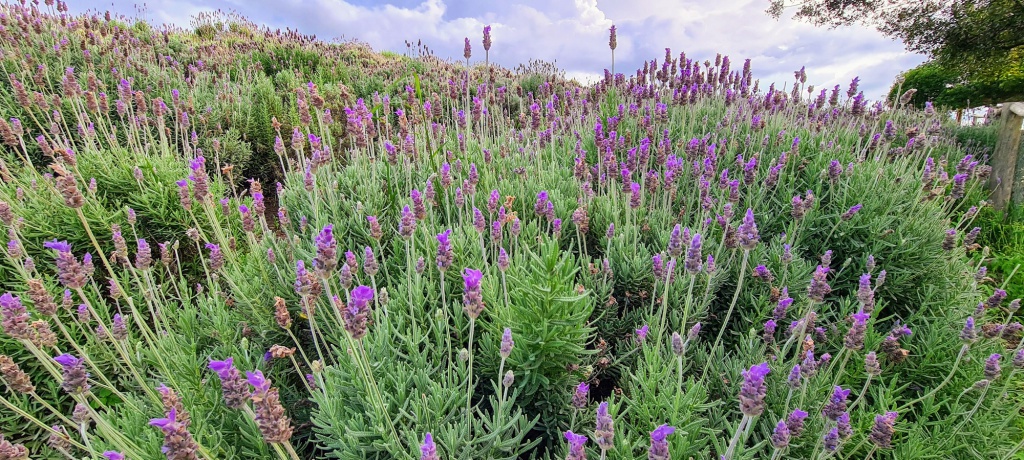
(1003,180)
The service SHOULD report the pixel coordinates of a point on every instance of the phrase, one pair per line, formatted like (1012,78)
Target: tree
(946,87)
(980,42)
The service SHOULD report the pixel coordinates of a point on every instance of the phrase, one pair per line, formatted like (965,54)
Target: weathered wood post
(1003,180)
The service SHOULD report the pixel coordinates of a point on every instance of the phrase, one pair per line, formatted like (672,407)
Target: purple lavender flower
(851,212)
(113,455)
(605,430)
(836,405)
(854,339)
(479,223)
(995,299)
(748,236)
(506,344)
(659,443)
(579,397)
(273,423)
(692,264)
(503,261)
(70,272)
(357,313)
(473,297)
(831,440)
(769,330)
(641,334)
(326,259)
(761,272)
(949,241)
(576,443)
(779,313)
(969,333)
(992,369)
(753,389)
(795,422)
(375,230)
(634,195)
(14,317)
(178,442)
(1018,359)
(487,38)
(843,425)
(694,331)
(407,225)
(118,329)
(794,377)
(496,231)
(675,242)
(75,378)
(808,367)
(678,346)
(883,429)
(541,206)
(233,386)
(819,287)
(419,209)
(780,436)
(445,254)
(428,450)
(216,257)
(370,265)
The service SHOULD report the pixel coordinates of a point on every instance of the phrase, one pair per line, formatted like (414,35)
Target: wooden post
(1003,180)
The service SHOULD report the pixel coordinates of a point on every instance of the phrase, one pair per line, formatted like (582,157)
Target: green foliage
(276,282)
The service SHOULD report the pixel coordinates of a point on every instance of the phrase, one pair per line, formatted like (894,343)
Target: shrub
(662,259)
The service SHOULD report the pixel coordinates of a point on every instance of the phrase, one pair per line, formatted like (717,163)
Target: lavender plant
(338,253)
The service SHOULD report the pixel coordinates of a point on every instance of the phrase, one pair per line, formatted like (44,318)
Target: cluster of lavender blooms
(121,312)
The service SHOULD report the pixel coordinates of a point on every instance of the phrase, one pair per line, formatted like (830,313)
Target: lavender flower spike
(836,405)
(692,264)
(605,430)
(576,443)
(882,430)
(473,297)
(506,344)
(233,386)
(428,450)
(753,390)
(748,236)
(113,455)
(659,443)
(780,436)
(795,422)
(75,379)
(579,398)
(178,442)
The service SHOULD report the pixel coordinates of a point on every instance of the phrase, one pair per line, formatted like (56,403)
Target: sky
(574,33)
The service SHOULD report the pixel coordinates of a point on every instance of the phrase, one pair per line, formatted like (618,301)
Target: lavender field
(232,242)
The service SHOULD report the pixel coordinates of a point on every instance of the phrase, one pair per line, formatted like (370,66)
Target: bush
(710,260)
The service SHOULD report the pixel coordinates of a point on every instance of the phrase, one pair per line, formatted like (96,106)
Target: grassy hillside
(231,242)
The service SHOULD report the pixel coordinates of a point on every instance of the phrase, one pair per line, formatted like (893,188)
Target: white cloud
(574,33)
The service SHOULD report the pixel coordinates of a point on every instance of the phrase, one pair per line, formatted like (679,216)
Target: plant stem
(469,385)
(725,322)
(736,437)
(949,377)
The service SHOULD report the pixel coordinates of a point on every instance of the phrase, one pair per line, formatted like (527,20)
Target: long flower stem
(664,300)
(860,395)
(732,305)
(469,385)
(736,437)
(34,420)
(956,365)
